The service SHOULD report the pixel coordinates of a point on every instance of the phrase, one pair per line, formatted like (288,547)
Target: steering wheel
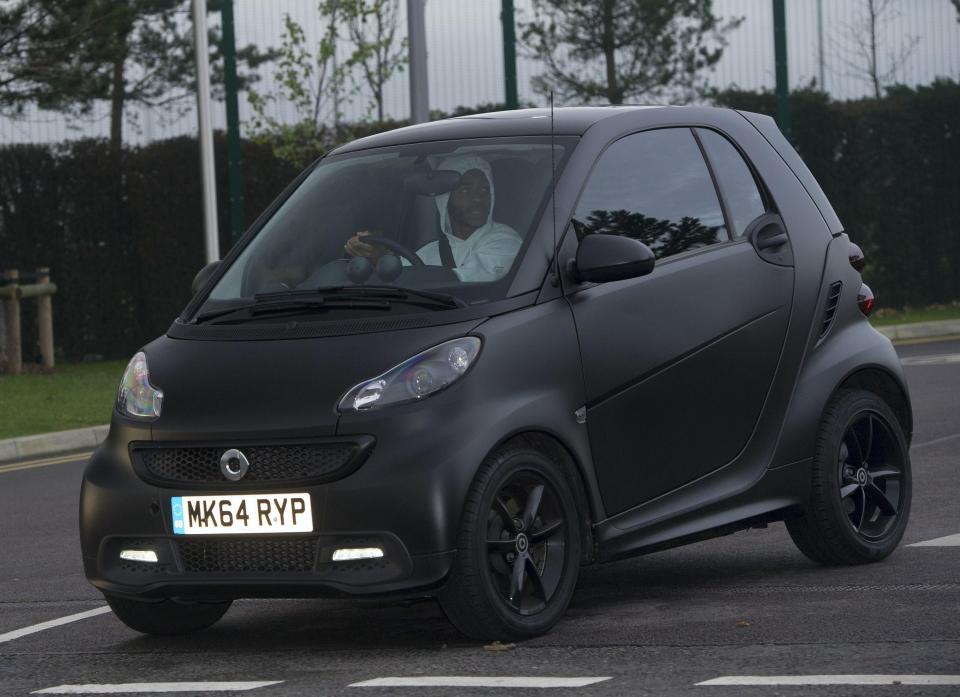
(394,246)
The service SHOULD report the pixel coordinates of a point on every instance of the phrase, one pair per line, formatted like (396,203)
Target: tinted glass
(653,187)
(464,205)
(744,202)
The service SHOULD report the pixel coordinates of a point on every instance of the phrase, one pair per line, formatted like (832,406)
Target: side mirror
(203,276)
(602,258)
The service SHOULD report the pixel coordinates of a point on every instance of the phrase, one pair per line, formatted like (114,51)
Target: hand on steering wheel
(374,246)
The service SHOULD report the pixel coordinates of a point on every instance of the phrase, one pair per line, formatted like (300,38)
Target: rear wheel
(860,489)
(518,552)
(168,616)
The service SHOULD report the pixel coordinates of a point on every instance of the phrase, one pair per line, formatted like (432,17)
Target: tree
(315,83)
(79,52)
(24,40)
(861,46)
(613,50)
(372,28)
(311,82)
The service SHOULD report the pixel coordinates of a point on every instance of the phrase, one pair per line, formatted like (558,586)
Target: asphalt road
(748,604)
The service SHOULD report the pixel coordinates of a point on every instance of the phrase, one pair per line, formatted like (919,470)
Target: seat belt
(446,254)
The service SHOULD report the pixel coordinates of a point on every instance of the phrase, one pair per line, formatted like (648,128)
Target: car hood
(272,388)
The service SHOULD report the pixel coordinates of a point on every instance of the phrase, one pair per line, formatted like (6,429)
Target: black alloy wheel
(519,548)
(860,489)
(526,542)
(871,465)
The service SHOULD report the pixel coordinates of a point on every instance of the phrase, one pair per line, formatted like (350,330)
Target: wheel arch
(853,355)
(555,447)
(882,383)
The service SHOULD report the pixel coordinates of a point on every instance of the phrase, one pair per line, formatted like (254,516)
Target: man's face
(469,204)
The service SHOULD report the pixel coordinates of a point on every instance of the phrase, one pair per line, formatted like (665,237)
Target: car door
(677,364)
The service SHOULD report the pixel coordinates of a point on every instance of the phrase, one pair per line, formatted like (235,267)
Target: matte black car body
(721,432)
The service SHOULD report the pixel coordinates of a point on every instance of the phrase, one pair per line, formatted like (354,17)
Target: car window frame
(567,142)
(665,260)
(768,204)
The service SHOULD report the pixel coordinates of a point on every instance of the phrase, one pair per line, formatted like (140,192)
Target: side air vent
(830,311)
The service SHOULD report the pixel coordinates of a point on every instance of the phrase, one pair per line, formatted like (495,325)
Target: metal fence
(465,59)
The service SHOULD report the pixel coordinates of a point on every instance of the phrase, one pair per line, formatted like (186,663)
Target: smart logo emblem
(234,465)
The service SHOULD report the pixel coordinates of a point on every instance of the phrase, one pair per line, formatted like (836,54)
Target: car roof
(520,122)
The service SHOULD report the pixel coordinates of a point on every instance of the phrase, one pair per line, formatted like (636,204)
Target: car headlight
(421,376)
(136,396)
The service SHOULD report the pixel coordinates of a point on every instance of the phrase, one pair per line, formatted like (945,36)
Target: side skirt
(778,495)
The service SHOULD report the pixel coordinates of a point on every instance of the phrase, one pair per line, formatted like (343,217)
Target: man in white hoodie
(481,248)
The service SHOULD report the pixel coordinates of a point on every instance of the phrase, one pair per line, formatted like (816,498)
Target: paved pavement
(745,605)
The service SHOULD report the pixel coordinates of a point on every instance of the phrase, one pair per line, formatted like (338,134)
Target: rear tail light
(865,300)
(865,295)
(857,260)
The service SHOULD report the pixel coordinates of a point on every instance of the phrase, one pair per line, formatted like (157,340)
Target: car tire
(487,596)
(860,489)
(166,617)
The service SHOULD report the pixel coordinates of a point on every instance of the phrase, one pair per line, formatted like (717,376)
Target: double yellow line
(34,464)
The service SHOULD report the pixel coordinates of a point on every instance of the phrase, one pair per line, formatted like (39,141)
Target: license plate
(234,514)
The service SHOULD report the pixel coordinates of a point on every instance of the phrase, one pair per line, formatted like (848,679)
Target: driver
(482,249)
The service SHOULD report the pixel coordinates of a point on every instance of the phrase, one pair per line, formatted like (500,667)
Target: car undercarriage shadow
(716,572)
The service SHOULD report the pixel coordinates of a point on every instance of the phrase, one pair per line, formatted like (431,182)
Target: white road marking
(934,441)
(33,629)
(948,541)
(477,681)
(941,359)
(155,687)
(834,680)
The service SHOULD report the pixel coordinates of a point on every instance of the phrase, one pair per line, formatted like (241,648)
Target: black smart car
(462,359)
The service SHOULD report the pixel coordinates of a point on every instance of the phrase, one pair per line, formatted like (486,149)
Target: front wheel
(166,617)
(861,485)
(518,552)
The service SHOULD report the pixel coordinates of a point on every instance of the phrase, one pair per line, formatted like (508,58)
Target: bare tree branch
(860,47)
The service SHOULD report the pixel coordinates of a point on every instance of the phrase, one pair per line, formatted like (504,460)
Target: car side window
(654,187)
(740,191)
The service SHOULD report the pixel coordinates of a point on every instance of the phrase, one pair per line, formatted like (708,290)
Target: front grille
(248,556)
(268,463)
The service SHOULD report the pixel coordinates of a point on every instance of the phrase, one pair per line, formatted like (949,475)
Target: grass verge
(74,395)
(908,315)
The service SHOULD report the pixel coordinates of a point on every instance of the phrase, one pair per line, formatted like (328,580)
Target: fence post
(234,175)
(45,319)
(780,65)
(3,332)
(509,54)
(11,303)
(417,51)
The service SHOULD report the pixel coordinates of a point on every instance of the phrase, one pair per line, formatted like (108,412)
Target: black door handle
(771,237)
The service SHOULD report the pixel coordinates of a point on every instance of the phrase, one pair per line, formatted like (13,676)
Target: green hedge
(891,168)
(124,239)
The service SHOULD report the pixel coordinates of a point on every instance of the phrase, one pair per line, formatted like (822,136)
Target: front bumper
(120,510)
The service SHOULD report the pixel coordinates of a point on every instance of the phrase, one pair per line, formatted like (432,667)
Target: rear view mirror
(203,276)
(432,182)
(602,258)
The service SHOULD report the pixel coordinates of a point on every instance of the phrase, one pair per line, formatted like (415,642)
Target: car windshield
(436,219)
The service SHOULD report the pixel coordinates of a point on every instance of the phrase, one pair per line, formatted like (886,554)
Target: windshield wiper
(408,296)
(332,297)
(266,305)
